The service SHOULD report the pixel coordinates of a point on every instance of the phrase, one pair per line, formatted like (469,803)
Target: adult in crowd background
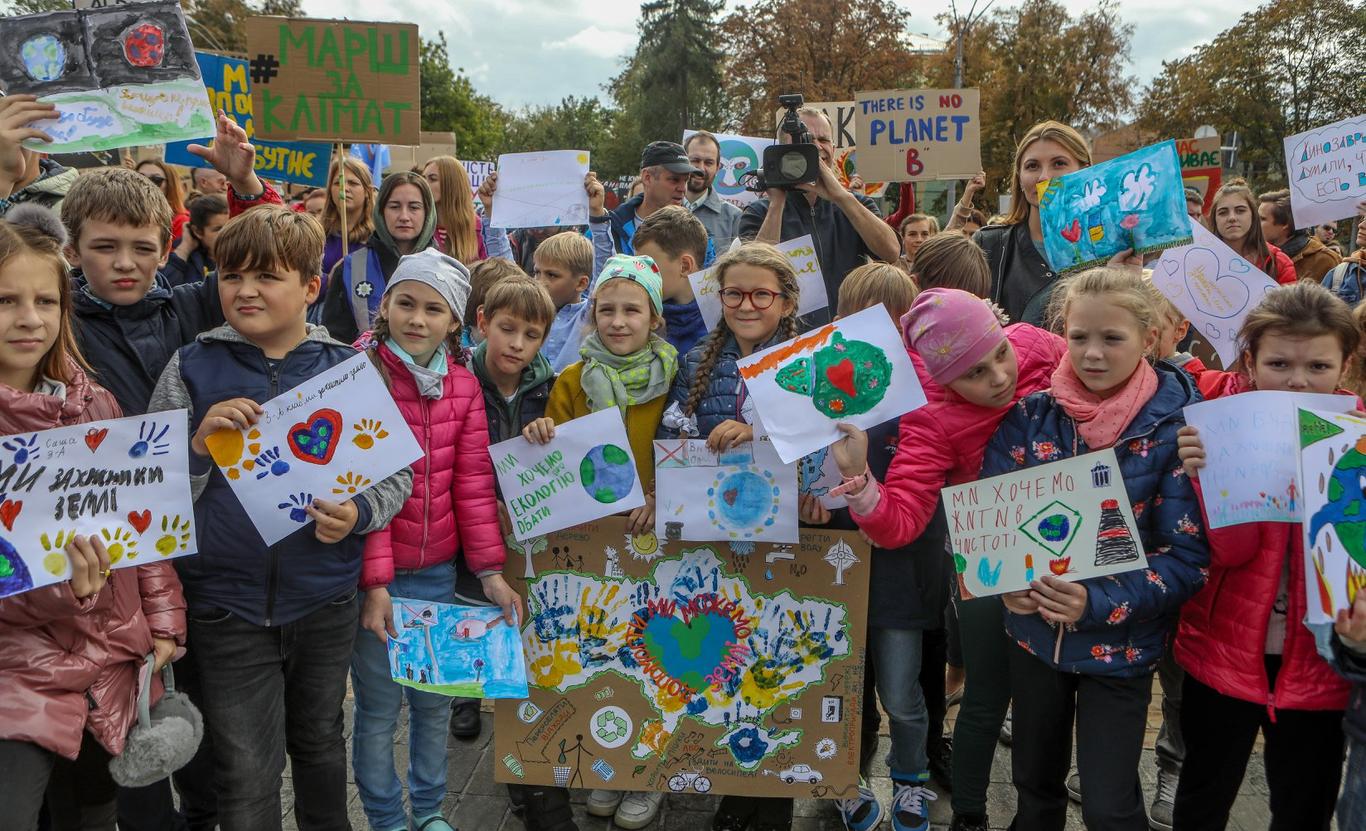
(915,230)
(1195,204)
(1328,235)
(359,195)
(664,172)
(1311,257)
(208,181)
(161,175)
(719,217)
(966,219)
(1233,219)
(459,233)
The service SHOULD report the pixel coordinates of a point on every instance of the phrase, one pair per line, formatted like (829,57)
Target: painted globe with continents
(44,57)
(1346,507)
(1055,527)
(844,378)
(607,473)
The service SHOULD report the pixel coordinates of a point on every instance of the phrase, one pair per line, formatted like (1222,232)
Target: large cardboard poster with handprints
(729,668)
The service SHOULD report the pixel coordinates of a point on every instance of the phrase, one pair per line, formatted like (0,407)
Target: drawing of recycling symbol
(610,726)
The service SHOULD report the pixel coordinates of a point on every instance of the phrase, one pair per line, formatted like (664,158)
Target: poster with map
(1332,464)
(684,667)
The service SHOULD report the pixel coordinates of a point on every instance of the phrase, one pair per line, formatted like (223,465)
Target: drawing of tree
(841,556)
(478,668)
(528,548)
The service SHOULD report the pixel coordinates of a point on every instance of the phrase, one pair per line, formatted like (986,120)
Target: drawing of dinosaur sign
(331,437)
(855,370)
(1071,519)
(125,481)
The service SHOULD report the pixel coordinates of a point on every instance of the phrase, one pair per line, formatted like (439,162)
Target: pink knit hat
(951,330)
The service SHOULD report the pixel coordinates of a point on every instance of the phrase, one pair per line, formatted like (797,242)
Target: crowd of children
(101,315)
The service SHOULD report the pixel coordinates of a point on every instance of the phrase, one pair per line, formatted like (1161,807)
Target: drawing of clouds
(1136,188)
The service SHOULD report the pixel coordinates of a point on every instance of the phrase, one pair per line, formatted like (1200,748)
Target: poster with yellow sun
(541,190)
(125,481)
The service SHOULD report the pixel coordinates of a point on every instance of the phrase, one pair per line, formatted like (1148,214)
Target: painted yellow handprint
(119,543)
(367,431)
(54,558)
(175,536)
(351,483)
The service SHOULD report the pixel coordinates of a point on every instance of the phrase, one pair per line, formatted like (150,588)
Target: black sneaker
(547,809)
(963,822)
(941,762)
(465,722)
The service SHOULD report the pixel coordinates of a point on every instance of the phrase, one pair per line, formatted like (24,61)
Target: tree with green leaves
(574,123)
(450,103)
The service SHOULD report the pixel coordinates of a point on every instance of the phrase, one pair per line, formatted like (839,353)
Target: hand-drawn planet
(44,57)
(144,45)
(1345,509)
(743,503)
(14,575)
(843,378)
(607,473)
(1055,527)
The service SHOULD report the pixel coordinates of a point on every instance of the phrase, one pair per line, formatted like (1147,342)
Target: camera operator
(845,227)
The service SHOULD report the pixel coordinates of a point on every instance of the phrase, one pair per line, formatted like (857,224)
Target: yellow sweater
(568,401)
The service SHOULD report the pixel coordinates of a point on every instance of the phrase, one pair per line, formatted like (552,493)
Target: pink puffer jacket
(68,665)
(453,507)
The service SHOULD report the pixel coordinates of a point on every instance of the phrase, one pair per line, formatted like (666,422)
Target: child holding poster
(416,343)
(70,653)
(1088,649)
(1250,664)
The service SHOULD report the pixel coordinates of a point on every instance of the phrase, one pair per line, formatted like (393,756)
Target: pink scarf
(1101,420)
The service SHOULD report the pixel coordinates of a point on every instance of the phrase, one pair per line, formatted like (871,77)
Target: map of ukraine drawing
(700,644)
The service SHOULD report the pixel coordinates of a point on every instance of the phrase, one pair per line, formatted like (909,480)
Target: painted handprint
(367,431)
(24,449)
(150,440)
(54,551)
(175,536)
(1136,188)
(351,483)
(271,464)
(119,544)
(297,506)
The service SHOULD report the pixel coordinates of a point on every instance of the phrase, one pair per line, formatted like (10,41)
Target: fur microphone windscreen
(38,218)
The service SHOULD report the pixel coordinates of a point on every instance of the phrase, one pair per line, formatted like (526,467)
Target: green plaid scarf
(611,380)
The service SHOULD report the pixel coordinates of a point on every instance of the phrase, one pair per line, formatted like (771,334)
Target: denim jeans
(1352,805)
(896,654)
(268,690)
(378,700)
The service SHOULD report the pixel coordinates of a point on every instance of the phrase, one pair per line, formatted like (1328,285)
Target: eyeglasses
(760,299)
(157,180)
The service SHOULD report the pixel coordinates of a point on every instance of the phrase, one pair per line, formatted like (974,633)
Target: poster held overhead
(739,155)
(920,134)
(1326,168)
(539,190)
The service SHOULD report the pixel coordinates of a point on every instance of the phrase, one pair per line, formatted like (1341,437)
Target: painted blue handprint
(297,506)
(271,464)
(23,449)
(150,439)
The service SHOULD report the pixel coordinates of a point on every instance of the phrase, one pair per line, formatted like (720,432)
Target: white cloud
(594,41)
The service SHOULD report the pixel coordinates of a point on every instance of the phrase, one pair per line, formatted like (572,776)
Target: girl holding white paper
(1250,663)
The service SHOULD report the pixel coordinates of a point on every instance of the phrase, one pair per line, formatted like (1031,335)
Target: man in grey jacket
(719,217)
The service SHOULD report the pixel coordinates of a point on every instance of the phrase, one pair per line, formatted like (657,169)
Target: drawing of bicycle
(679,782)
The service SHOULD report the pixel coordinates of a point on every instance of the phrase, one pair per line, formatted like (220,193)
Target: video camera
(789,165)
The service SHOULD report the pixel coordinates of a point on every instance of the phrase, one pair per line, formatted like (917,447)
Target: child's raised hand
(333,520)
(642,519)
(975,184)
(1059,601)
(1127,259)
(235,414)
(232,155)
(497,590)
(377,614)
(597,194)
(540,431)
(89,565)
(1190,450)
(486,191)
(1351,623)
(728,434)
(851,452)
(811,511)
(17,113)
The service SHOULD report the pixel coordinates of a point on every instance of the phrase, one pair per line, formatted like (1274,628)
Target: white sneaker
(638,809)
(603,803)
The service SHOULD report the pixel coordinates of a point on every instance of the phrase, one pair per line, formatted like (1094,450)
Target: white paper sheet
(745,493)
(538,190)
(801,251)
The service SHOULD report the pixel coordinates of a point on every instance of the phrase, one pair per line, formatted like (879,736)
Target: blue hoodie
(683,325)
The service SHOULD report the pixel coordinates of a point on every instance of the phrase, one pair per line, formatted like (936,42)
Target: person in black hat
(664,172)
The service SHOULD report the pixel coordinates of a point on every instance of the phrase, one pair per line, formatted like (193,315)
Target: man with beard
(719,217)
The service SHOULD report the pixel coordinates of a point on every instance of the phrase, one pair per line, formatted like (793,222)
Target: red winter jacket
(447,512)
(942,442)
(68,665)
(1279,265)
(1221,639)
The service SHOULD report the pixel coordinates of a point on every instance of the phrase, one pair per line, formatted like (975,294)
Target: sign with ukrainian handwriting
(335,80)
(125,481)
(1326,168)
(919,134)
(802,253)
(744,493)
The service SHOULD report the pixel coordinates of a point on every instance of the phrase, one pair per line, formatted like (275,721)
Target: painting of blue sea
(466,651)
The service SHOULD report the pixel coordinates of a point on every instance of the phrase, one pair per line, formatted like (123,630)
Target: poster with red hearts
(332,437)
(125,481)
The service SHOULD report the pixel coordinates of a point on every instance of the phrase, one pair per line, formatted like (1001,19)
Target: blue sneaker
(911,805)
(862,812)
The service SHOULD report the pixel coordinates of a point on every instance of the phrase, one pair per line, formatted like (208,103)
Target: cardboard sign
(585,472)
(1332,458)
(332,437)
(1070,518)
(335,80)
(705,668)
(125,481)
(915,135)
(1326,168)
(1133,201)
(1251,471)
(541,190)
(810,284)
(841,115)
(855,370)
(744,493)
(120,76)
(739,155)
(1213,287)
(1202,166)
(304,163)
(465,651)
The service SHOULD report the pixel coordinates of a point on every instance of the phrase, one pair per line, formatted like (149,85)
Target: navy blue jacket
(722,400)
(1124,629)
(235,571)
(1352,666)
(624,223)
(683,325)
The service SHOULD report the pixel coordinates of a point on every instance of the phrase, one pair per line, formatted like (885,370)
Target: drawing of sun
(54,560)
(643,547)
(175,536)
(120,544)
(744,502)
(351,483)
(367,431)
(227,448)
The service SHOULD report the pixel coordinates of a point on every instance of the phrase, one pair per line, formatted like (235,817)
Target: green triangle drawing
(1314,428)
(1304,174)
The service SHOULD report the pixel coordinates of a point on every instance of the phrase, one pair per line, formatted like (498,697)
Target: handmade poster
(466,651)
(854,370)
(1070,518)
(920,134)
(541,190)
(334,80)
(744,493)
(818,474)
(225,79)
(477,173)
(841,115)
(332,437)
(727,668)
(1134,201)
(585,472)
(800,251)
(1332,461)
(1251,471)
(1213,287)
(125,481)
(1202,166)
(120,76)
(1326,168)
(739,155)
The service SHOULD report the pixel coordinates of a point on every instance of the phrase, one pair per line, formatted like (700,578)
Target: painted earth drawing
(607,473)
(843,378)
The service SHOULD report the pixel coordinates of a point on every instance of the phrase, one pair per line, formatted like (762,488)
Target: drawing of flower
(1119,614)
(1102,652)
(1129,222)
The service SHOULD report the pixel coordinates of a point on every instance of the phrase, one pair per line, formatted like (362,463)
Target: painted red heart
(9,509)
(730,496)
(314,441)
(140,521)
(841,376)
(1074,233)
(93,438)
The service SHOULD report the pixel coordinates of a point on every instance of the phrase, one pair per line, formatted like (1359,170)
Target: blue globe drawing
(744,500)
(44,57)
(607,473)
(1055,527)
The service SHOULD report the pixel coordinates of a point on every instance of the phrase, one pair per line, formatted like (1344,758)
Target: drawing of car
(800,773)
